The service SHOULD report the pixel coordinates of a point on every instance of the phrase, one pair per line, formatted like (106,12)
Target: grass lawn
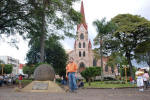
(104,85)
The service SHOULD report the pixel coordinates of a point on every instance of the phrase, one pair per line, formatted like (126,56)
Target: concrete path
(82,94)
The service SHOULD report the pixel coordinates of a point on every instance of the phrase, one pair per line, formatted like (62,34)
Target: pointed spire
(83,21)
(82,13)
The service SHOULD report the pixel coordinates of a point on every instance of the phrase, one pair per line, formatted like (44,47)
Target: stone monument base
(42,86)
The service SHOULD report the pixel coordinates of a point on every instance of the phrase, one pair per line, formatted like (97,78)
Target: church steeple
(82,13)
(83,21)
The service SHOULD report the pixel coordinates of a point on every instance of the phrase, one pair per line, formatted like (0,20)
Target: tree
(52,16)
(132,30)
(122,71)
(1,62)
(14,17)
(37,18)
(29,70)
(54,54)
(90,73)
(116,59)
(7,68)
(102,28)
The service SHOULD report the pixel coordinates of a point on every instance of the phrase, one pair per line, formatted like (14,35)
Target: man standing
(71,70)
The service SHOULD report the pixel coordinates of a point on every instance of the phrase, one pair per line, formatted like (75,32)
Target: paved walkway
(82,94)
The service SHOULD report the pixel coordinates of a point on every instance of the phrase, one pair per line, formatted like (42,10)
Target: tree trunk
(148,61)
(42,37)
(130,64)
(101,57)
(89,81)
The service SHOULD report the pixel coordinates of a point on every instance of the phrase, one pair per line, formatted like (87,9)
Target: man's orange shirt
(71,67)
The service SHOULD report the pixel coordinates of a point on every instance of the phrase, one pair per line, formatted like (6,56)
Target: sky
(94,9)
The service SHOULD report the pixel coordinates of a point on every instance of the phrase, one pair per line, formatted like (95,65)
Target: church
(83,54)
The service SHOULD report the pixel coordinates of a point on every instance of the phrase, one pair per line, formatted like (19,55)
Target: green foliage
(29,70)
(122,71)
(132,31)
(38,18)
(24,82)
(51,17)
(116,59)
(103,28)
(55,55)
(13,16)
(142,53)
(91,72)
(7,69)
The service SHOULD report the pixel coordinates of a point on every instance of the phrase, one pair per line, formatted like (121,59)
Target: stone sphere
(44,72)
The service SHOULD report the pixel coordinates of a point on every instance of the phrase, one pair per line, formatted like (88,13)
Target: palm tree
(102,28)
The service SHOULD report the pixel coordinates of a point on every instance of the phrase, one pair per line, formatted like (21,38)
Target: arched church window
(83,44)
(79,45)
(106,68)
(79,53)
(81,36)
(94,62)
(83,53)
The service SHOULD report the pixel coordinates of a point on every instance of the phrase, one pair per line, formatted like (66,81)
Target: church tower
(82,44)
(82,53)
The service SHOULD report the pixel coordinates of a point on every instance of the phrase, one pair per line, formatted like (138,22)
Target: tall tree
(132,31)
(52,16)
(102,28)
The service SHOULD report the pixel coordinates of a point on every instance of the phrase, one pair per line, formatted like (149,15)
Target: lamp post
(125,68)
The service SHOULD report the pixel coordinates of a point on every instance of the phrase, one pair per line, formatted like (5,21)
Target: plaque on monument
(40,86)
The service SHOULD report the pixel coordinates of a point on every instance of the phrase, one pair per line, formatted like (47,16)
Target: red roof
(83,21)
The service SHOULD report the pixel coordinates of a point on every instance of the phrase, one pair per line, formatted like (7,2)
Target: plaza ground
(82,94)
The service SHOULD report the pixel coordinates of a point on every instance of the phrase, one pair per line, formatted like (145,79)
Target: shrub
(90,73)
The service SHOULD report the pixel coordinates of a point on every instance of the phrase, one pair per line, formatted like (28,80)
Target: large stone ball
(44,72)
